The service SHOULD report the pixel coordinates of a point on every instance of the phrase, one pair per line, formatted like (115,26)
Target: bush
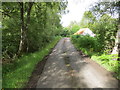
(87,42)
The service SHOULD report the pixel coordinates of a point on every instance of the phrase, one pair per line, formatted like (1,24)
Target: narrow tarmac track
(65,68)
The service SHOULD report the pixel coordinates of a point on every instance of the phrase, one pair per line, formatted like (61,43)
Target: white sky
(76,10)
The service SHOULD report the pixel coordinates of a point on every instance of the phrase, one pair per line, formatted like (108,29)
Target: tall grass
(15,75)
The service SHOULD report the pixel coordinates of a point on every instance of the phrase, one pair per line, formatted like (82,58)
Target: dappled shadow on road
(58,72)
(76,65)
(53,74)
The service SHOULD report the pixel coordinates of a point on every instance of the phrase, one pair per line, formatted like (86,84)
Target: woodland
(31,29)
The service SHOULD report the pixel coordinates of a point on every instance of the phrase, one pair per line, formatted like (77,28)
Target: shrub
(87,42)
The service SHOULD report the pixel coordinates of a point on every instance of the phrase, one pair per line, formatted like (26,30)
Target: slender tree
(23,47)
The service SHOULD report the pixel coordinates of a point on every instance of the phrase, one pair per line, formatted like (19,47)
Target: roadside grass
(16,75)
(106,61)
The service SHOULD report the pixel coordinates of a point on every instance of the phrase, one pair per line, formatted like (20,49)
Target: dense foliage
(28,27)
(87,43)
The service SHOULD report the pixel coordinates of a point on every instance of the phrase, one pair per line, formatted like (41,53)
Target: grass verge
(16,75)
(108,63)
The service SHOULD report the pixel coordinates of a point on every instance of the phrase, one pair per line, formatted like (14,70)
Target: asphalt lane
(65,68)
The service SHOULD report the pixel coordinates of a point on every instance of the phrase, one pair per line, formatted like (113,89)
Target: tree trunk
(119,38)
(117,41)
(30,4)
(116,49)
(119,31)
(22,46)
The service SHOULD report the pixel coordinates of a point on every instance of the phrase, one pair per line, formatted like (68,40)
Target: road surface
(65,68)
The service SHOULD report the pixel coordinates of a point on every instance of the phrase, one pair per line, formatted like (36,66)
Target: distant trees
(88,19)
